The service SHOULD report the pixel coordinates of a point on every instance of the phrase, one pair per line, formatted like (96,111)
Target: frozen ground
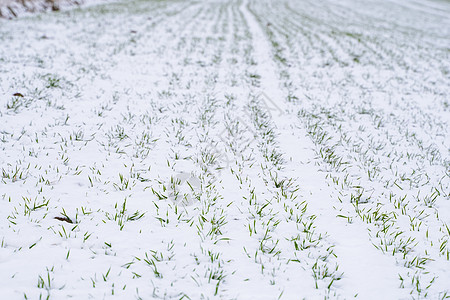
(226,150)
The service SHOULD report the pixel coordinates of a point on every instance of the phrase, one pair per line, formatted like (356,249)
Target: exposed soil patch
(13,8)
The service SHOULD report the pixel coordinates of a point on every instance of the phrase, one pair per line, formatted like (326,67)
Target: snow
(226,150)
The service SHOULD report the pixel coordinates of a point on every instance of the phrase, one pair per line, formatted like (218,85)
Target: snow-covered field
(256,149)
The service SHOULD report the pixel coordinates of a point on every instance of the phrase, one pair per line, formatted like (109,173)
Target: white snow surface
(270,149)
